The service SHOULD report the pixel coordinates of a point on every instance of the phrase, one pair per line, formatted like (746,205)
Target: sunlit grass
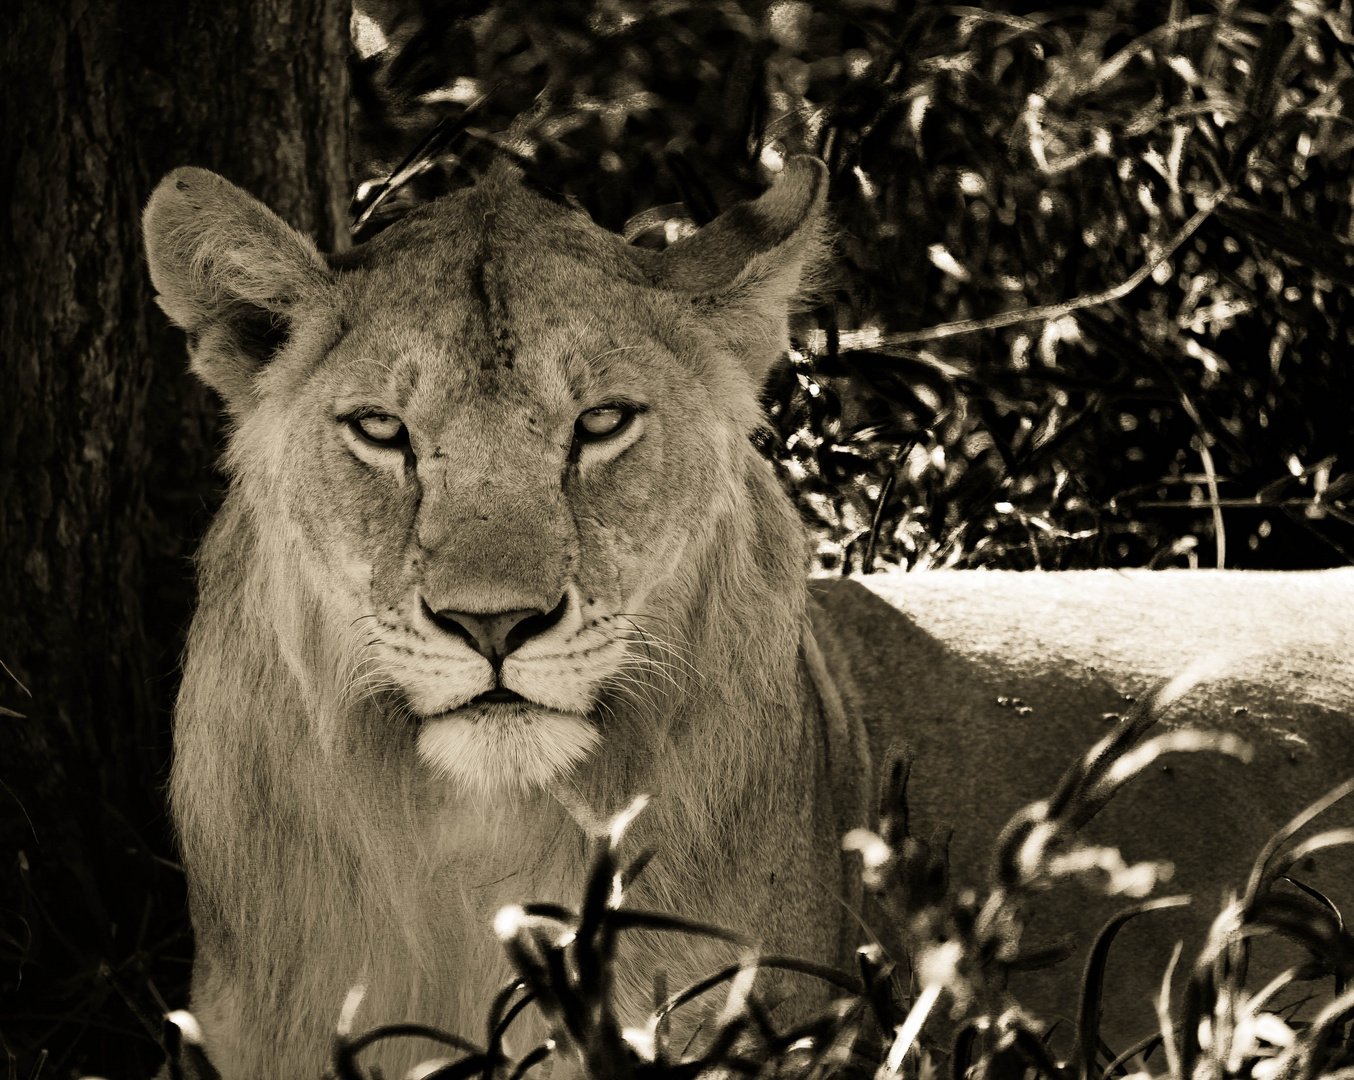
(954,1012)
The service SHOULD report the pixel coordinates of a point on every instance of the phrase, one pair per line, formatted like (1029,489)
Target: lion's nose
(495,634)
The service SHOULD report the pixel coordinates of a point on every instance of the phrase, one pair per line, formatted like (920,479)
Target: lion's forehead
(495,305)
(501,322)
(434,366)
(498,243)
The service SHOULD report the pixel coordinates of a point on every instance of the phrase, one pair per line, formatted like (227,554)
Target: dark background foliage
(984,161)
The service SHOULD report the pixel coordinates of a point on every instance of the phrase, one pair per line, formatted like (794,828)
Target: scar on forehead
(491,306)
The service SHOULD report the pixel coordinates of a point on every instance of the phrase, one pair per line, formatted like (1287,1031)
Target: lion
(498,555)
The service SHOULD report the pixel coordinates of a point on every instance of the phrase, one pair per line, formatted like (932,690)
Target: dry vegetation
(942,1006)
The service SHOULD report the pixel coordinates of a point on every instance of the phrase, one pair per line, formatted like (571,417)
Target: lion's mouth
(498,704)
(498,695)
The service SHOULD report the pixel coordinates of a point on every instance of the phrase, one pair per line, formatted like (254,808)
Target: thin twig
(5,668)
(1252,503)
(18,800)
(1211,476)
(867,564)
(1163,1004)
(1056,311)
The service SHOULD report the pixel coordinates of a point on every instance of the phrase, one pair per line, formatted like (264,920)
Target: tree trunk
(106,452)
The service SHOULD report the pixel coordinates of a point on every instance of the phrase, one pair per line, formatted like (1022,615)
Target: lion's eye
(379,428)
(602,422)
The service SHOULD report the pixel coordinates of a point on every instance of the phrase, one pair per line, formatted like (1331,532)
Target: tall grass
(954,1012)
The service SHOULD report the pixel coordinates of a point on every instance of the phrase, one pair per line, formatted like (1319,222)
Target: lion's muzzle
(497,633)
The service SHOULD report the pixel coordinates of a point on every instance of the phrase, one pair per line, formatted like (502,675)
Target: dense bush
(985,162)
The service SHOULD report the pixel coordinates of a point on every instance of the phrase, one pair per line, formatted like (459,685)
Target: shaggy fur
(348,812)
(351,811)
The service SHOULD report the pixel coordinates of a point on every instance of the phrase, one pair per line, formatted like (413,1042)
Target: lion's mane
(322,854)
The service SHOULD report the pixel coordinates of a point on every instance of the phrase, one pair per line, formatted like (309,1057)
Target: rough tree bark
(106,448)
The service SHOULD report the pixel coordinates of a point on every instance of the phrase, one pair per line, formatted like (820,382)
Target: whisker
(363,684)
(656,663)
(668,682)
(368,679)
(668,648)
(652,694)
(665,649)
(633,615)
(649,664)
(661,620)
(645,692)
(402,710)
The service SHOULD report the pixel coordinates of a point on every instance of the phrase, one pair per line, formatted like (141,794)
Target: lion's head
(497,438)
(496,539)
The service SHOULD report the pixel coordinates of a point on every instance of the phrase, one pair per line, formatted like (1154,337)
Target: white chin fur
(505,747)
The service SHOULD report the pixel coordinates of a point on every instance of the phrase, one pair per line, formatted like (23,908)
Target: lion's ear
(744,269)
(230,272)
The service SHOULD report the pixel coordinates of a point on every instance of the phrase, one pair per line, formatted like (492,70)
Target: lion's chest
(470,867)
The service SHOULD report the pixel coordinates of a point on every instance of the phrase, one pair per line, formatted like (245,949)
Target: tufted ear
(230,272)
(744,269)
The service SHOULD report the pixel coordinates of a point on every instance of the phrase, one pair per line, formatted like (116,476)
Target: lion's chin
(492,748)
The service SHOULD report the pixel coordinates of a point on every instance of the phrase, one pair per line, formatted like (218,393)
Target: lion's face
(497,489)
(499,435)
